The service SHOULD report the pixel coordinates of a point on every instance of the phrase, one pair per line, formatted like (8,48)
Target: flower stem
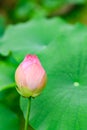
(27,114)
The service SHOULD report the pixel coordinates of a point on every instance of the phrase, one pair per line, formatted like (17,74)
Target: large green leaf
(63,104)
(62,50)
(8,120)
(34,36)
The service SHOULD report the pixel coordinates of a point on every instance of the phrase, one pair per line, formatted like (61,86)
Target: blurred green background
(16,11)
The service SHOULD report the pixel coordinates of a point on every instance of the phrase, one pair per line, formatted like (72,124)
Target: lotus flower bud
(30,77)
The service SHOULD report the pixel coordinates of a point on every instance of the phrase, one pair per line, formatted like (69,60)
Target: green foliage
(31,37)
(22,10)
(62,49)
(8,120)
(52,4)
(26,9)
(7,69)
(2,25)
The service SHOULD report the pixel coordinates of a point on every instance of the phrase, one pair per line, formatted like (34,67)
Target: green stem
(27,114)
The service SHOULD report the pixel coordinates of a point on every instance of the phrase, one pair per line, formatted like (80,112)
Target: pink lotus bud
(30,77)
